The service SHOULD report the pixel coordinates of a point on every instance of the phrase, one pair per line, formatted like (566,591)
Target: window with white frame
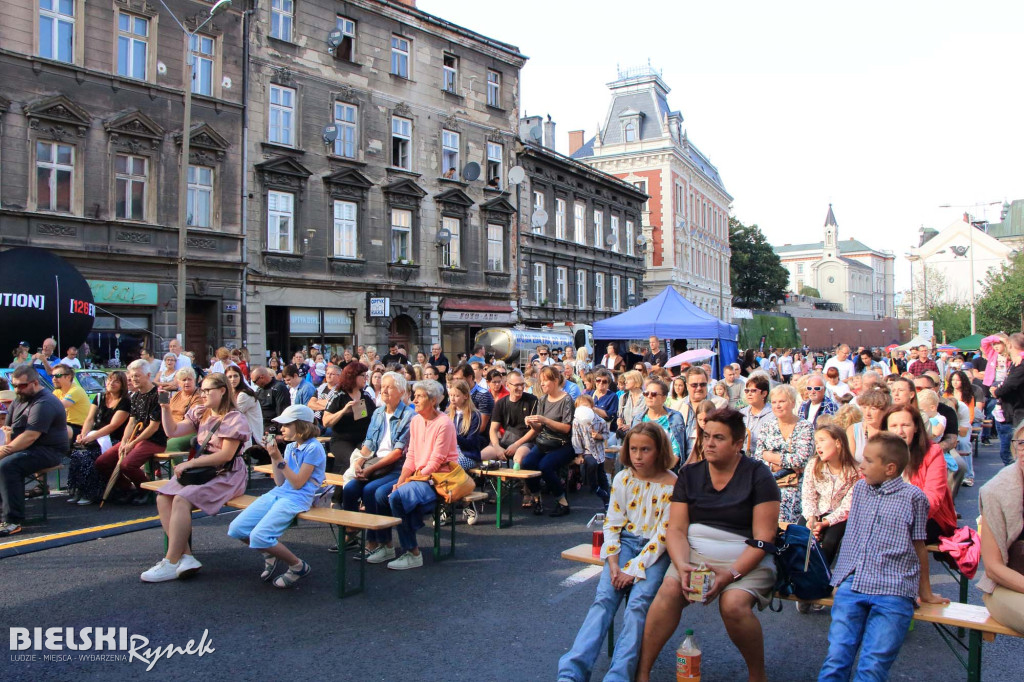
(561,285)
(346,49)
(599,229)
(202,49)
(57,30)
(345,117)
(346,235)
(200,196)
(495,154)
(55,176)
(495,247)
(598,291)
(130,187)
(400,56)
(280,221)
(540,283)
(579,214)
(614,227)
(630,132)
(401,142)
(282,16)
(493,88)
(630,238)
(401,235)
(560,218)
(282,115)
(450,75)
(132,45)
(799,268)
(631,292)
(581,288)
(538,205)
(450,154)
(616,293)
(450,252)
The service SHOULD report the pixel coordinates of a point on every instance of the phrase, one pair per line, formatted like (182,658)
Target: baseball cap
(294,413)
(967,366)
(23,343)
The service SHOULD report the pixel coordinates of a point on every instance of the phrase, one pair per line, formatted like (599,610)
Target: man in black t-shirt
(394,357)
(509,435)
(656,355)
(143,436)
(36,438)
(440,362)
(272,395)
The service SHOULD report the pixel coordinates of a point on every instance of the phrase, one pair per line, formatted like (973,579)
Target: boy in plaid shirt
(878,574)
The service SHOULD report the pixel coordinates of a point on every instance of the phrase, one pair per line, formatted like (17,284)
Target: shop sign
(380,306)
(123,293)
(337,322)
(304,320)
(476,316)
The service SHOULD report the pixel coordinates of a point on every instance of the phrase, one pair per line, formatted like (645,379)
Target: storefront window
(116,340)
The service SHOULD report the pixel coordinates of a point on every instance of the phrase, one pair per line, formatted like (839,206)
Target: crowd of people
(689,468)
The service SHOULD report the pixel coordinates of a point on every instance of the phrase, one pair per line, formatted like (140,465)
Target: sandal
(34,492)
(291,576)
(269,566)
(538,508)
(527,502)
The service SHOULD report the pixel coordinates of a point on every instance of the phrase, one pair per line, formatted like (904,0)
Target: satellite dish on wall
(334,38)
(444,235)
(641,240)
(536,134)
(471,171)
(330,134)
(539,218)
(611,240)
(516,174)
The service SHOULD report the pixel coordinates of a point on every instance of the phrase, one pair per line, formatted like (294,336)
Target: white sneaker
(188,566)
(162,572)
(470,515)
(85,501)
(380,555)
(407,561)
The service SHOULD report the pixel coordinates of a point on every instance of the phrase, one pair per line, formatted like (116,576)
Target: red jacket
(931,479)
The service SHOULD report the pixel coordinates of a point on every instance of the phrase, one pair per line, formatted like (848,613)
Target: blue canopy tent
(670,316)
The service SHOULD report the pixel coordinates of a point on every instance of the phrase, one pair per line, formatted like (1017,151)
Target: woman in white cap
(221,429)
(297,474)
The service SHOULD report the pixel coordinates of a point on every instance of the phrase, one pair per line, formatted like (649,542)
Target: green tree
(810,291)
(1002,301)
(757,276)
(953,319)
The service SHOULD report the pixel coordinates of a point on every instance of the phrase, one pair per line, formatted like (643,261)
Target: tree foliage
(810,291)
(1002,301)
(951,319)
(757,276)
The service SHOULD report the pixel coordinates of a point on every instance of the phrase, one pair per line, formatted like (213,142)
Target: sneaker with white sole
(407,561)
(162,572)
(188,566)
(9,529)
(85,501)
(380,555)
(470,515)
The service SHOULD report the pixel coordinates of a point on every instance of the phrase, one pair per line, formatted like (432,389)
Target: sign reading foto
(380,306)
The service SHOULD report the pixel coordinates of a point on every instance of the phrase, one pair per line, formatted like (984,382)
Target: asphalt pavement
(506,607)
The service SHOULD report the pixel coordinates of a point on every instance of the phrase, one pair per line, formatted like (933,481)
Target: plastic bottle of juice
(688,659)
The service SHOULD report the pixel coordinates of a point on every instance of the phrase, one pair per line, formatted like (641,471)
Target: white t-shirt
(71,362)
(812,411)
(845,367)
(182,362)
(386,444)
(837,391)
(786,364)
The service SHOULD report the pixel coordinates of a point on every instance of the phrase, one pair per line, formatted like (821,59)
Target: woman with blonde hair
(697,453)
(632,401)
(720,394)
(873,405)
(466,418)
(785,444)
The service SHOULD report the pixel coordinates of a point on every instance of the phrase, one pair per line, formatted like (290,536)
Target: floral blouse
(827,496)
(640,508)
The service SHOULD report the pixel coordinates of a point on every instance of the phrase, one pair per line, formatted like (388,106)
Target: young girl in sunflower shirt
(634,555)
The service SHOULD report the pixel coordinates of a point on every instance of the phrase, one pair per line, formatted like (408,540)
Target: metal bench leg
(438,528)
(343,590)
(611,637)
(964,585)
(974,657)
(498,490)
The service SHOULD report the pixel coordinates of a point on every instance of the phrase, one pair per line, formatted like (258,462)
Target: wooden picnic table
(506,479)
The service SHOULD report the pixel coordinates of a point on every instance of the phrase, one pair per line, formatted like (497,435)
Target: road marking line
(582,575)
(80,531)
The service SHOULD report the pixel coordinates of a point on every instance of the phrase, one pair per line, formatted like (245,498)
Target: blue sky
(886,109)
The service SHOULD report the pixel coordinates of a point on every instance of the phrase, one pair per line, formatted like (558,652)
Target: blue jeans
(375,498)
(549,462)
(409,503)
(266,519)
(1005,431)
(878,623)
(577,664)
(990,406)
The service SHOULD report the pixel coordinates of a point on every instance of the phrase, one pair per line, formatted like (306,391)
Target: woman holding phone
(348,417)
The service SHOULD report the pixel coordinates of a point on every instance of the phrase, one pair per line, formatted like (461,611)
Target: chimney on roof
(549,133)
(575,141)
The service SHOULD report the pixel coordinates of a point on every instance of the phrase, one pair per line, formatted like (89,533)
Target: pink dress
(211,496)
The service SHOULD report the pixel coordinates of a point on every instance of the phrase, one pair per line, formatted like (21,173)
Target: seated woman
(432,447)
(297,476)
(175,501)
(377,470)
(785,444)
(873,404)
(634,555)
(716,506)
(697,451)
(165,377)
(655,394)
(466,418)
(245,399)
(102,429)
(186,397)
(757,411)
(1001,503)
(552,447)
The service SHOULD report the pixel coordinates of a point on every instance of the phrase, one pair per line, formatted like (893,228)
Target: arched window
(630,132)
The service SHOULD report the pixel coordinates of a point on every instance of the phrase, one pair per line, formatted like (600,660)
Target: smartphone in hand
(163,397)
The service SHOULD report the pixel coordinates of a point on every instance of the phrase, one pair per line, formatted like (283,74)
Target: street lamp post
(186,137)
(832,334)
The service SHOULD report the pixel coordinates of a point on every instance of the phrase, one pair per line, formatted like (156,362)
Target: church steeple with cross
(831,234)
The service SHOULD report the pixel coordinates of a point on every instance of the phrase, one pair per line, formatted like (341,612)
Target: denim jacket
(678,427)
(399,428)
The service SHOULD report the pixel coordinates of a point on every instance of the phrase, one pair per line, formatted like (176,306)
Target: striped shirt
(878,547)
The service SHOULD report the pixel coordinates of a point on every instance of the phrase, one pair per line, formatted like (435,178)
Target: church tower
(831,234)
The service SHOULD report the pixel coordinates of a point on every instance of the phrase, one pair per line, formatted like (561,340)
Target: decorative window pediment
(63,115)
(140,7)
(206,145)
(134,131)
(499,205)
(283,172)
(404,193)
(347,182)
(455,198)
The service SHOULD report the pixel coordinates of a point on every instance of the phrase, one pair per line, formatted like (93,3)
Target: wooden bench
(502,484)
(164,462)
(41,478)
(336,519)
(945,617)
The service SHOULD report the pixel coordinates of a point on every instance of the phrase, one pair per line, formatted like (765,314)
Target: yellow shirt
(79,411)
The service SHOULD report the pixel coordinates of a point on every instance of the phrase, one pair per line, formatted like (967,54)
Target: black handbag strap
(209,437)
